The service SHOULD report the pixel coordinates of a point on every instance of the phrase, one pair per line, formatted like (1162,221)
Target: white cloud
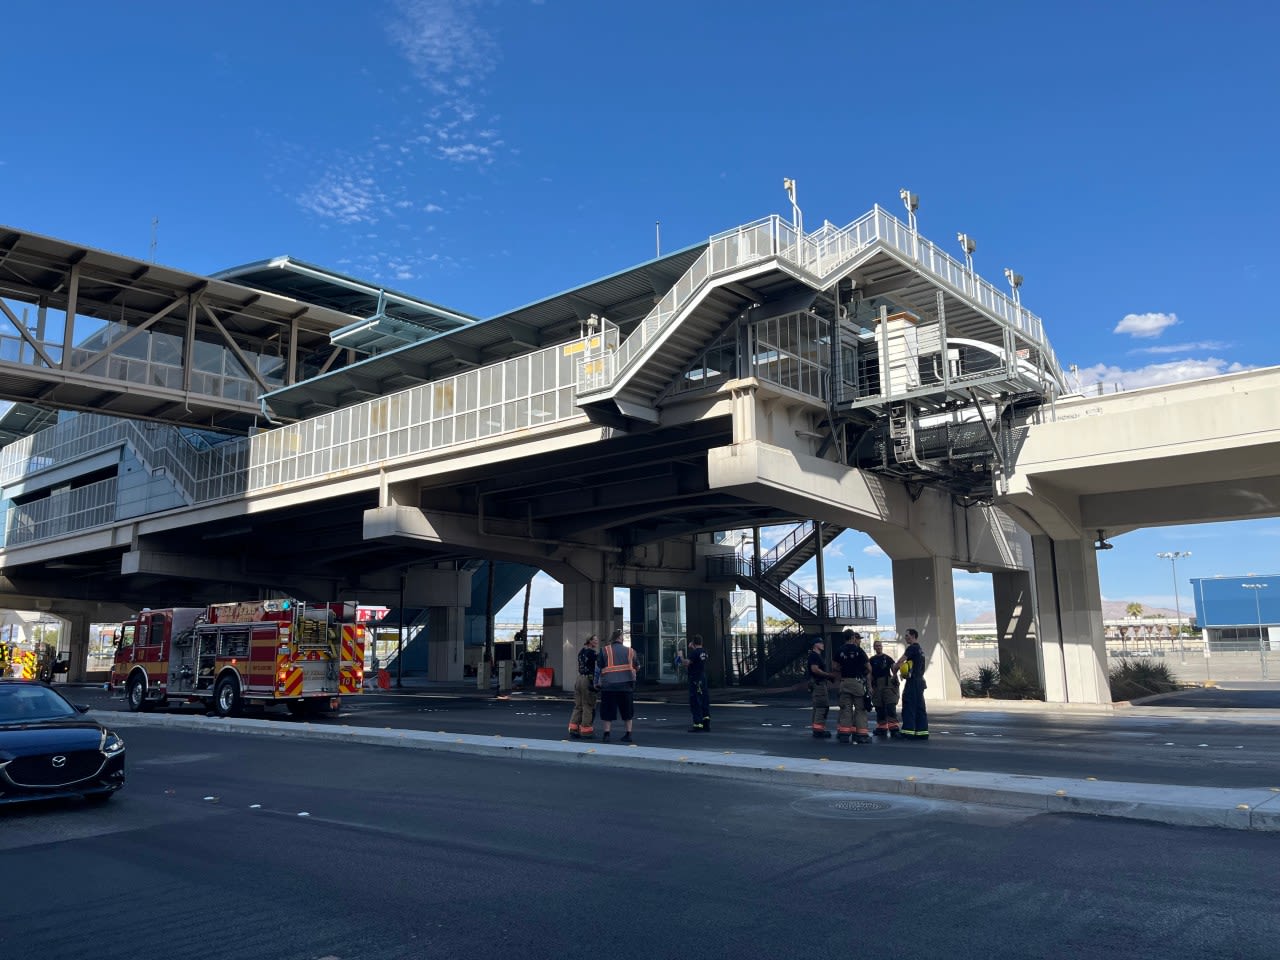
(1166,348)
(1155,374)
(873,550)
(444,43)
(1145,324)
(343,198)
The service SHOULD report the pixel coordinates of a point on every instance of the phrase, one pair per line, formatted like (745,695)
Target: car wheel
(135,694)
(226,698)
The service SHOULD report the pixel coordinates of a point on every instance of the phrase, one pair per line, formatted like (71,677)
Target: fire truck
(305,656)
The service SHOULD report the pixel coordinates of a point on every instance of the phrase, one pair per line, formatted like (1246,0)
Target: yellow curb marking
(1242,806)
(1060,793)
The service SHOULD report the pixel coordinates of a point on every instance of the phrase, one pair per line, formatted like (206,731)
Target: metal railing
(832,606)
(821,254)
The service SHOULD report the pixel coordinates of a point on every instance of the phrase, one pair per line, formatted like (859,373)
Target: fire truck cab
(305,656)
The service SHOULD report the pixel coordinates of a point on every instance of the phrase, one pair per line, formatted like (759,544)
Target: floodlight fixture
(1015,282)
(968,245)
(910,200)
(797,220)
(1101,543)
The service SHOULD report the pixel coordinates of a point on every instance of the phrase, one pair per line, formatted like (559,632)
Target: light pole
(1173,556)
(797,220)
(1015,284)
(968,244)
(1257,607)
(912,202)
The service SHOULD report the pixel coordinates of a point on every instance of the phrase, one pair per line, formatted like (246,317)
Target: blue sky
(482,154)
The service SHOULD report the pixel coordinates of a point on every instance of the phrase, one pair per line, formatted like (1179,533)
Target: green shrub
(980,682)
(1134,679)
(1017,684)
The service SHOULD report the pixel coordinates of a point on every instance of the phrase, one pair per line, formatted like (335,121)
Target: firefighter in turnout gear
(819,677)
(884,692)
(855,674)
(915,718)
(584,691)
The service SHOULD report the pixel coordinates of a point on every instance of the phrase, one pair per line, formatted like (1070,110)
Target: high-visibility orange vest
(617,669)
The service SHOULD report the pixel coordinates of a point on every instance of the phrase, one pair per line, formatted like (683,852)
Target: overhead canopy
(393,318)
(105,367)
(623,298)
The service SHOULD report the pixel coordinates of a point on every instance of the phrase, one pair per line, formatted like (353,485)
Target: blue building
(1235,610)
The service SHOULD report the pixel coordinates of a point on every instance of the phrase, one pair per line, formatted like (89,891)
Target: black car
(49,748)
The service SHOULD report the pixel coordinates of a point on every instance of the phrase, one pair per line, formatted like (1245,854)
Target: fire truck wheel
(226,698)
(135,694)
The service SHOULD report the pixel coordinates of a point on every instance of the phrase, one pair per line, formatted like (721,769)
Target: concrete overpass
(858,377)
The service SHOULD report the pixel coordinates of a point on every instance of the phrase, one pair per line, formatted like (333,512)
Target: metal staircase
(740,268)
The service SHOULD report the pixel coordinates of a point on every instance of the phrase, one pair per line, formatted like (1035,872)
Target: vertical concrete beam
(1016,621)
(1072,644)
(588,609)
(446,637)
(707,612)
(924,598)
(75,637)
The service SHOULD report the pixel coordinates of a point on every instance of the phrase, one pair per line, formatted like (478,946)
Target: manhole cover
(833,805)
(861,806)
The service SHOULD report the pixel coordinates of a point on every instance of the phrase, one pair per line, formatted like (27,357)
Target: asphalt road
(1213,747)
(224,845)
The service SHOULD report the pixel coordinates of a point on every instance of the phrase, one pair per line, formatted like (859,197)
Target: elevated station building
(281,428)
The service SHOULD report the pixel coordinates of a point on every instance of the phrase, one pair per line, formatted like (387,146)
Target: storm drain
(832,805)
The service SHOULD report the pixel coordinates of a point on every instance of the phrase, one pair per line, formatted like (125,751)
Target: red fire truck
(305,656)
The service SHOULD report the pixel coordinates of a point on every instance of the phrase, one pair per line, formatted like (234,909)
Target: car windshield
(28,702)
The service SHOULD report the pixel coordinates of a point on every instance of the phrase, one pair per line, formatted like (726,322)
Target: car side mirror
(82,707)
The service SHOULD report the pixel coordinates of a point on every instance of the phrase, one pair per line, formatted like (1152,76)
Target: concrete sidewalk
(1255,808)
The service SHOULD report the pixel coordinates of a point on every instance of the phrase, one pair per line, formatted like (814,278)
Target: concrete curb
(1255,808)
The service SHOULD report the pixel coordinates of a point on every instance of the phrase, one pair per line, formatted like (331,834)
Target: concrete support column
(924,599)
(440,649)
(588,609)
(446,643)
(1016,621)
(707,613)
(75,637)
(1072,644)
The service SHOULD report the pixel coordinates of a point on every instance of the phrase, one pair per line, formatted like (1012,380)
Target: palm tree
(1133,610)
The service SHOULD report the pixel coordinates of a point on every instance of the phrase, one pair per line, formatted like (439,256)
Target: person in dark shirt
(884,692)
(855,675)
(699,698)
(915,718)
(584,691)
(819,677)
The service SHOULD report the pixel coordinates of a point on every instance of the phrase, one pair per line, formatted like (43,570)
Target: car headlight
(111,743)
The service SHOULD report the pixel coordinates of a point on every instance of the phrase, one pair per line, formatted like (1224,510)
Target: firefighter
(855,672)
(819,677)
(584,691)
(699,699)
(915,720)
(884,692)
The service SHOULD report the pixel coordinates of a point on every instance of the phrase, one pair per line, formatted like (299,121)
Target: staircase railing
(821,253)
(833,606)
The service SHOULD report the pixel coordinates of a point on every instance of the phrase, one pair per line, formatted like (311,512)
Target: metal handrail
(834,606)
(821,253)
